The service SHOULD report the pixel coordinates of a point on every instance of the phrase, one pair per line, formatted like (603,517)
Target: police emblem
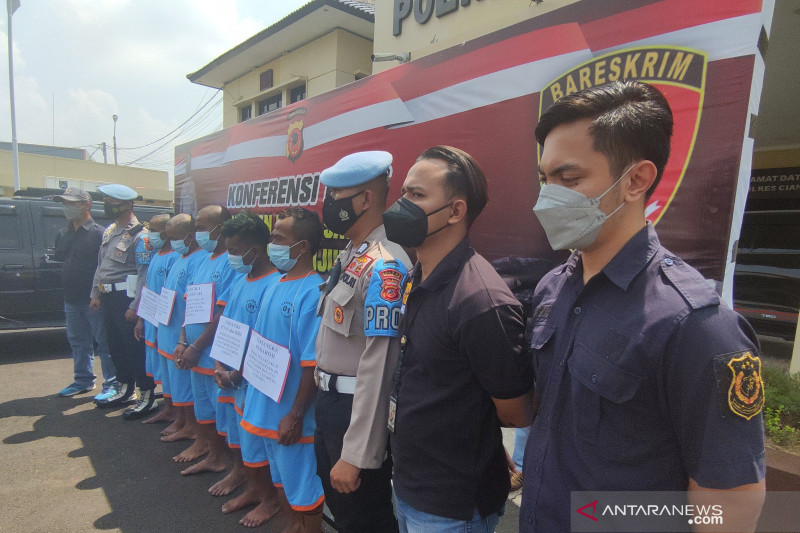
(294,142)
(215,275)
(390,284)
(251,306)
(344,215)
(147,244)
(338,314)
(680,73)
(746,391)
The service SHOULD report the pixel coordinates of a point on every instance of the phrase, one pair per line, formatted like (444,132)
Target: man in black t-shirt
(462,370)
(76,246)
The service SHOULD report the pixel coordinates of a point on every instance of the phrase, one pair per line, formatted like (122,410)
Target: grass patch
(782,407)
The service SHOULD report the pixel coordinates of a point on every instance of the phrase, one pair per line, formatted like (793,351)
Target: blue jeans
(411,520)
(520,438)
(85,329)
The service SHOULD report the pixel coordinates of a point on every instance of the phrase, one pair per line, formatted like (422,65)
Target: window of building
(298,93)
(245,113)
(265,80)
(269,104)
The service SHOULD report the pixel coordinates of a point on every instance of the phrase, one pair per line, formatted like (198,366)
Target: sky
(79,62)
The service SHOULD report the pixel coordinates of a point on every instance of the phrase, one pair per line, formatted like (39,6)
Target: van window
(771,231)
(9,231)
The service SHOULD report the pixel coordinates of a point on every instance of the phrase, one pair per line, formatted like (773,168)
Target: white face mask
(570,219)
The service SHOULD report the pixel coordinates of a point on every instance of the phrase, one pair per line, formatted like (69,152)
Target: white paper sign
(148,305)
(266,366)
(230,340)
(165,303)
(199,304)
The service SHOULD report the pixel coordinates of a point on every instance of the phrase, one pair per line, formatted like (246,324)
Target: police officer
(116,261)
(645,380)
(357,346)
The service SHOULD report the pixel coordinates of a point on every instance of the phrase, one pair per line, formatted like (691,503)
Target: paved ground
(69,467)
(66,466)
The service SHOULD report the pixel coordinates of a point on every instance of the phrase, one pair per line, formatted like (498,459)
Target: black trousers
(127,353)
(368,509)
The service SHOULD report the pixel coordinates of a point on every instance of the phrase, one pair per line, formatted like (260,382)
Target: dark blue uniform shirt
(638,373)
(462,337)
(78,250)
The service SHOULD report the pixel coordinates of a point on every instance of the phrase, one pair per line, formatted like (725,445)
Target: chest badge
(746,390)
(338,314)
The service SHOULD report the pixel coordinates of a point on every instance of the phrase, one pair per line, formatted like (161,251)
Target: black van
(30,281)
(766,283)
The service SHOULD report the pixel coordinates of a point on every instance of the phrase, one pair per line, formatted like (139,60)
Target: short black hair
(307,226)
(631,121)
(464,177)
(249,227)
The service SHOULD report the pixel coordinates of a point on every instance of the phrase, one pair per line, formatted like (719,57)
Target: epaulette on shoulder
(136,229)
(688,282)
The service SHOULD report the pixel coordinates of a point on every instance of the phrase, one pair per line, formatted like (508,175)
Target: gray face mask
(570,219)
(72,212)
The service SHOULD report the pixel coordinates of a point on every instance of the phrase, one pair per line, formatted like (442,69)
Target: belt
(111,287)
(333,382)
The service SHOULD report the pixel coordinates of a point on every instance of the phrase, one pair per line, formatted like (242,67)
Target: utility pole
(115,117)
(11,6)
(105,154)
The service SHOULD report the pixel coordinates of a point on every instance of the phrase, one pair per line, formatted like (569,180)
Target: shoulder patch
(740,384)
(382,303)
(362,248)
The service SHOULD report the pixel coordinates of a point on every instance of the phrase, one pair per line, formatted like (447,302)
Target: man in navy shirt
(462,366)
(645,380)
(77,245)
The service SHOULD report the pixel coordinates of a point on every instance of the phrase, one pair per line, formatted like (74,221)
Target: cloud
(82,61)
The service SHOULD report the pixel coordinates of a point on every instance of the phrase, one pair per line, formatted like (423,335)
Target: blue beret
(355,169)
(120,192)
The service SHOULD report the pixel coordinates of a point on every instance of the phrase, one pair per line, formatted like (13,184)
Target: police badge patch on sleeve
(382,304)
(740,384)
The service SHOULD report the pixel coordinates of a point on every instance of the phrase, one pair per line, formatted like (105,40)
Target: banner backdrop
(485,97)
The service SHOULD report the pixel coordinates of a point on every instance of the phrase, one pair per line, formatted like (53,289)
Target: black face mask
(407,224)
(339,215)
(113,211)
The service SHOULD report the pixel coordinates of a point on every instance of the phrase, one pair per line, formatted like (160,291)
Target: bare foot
(212,463)
(172,428)
(193,452)
(163,415)
(248,497)
(263,512)
(182,434)
(228,484)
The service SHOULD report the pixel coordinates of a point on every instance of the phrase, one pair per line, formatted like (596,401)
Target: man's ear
(458,211)
(641,177)
(369,199)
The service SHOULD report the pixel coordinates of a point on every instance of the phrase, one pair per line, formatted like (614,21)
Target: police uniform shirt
(77,249)
(117,258)
(160,264)
(214,269)
(463,344)
(244,303)
(358,337)
(644,380)
(288,317)
(177,280)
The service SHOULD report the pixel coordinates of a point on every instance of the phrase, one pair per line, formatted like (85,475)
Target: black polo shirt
(78,250)
(463,345)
